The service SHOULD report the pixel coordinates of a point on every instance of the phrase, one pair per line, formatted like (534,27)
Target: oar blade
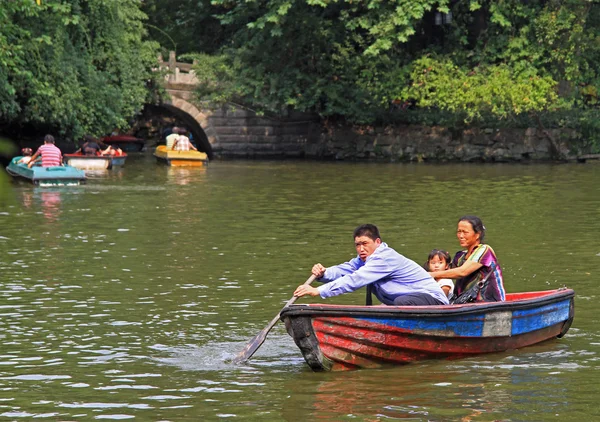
(259,339)
(251,347)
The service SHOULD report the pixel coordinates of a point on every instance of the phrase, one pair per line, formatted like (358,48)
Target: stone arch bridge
(232,131)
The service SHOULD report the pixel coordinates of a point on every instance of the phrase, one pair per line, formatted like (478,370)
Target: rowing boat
(335,337)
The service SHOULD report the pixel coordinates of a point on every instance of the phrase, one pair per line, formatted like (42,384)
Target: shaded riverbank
(325,141)
(239,133)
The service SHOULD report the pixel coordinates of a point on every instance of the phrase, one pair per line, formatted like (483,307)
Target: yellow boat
(180,158)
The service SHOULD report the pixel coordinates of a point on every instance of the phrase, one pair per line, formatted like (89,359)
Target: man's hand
(318,270)
(304,290)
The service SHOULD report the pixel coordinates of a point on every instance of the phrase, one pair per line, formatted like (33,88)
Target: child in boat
(27,152)
(439,260)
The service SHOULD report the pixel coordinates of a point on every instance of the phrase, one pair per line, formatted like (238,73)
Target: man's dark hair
(49,139)
(369,230)
(476,223)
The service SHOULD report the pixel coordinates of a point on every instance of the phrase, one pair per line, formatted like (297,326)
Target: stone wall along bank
(440,144)
(236,132)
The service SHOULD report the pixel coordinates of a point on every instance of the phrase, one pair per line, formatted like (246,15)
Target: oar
(259,339)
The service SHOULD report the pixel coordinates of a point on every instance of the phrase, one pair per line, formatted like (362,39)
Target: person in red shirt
(51,155)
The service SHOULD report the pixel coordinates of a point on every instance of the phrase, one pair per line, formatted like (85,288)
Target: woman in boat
(474,263)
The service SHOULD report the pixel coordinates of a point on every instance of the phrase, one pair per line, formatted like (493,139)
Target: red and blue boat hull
(334,337)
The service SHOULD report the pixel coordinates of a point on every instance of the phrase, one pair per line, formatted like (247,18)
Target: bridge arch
(194,120)
(233,131)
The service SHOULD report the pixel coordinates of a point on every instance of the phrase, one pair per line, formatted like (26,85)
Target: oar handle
(306,283)
(289,302)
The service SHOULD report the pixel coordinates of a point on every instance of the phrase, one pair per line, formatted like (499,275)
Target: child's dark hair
(440,253)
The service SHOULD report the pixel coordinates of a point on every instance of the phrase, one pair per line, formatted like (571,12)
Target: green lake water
(126,298)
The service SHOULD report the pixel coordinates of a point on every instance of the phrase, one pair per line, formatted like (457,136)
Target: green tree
(321,56)
(186,26)
(353,57)
(74,66)
(479,61)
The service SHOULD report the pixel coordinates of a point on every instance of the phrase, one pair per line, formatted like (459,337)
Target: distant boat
(46,176)
(180,158)
(125,142)
(94,162)
(335,337)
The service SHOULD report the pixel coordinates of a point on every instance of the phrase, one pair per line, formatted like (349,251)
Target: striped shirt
(484,255)
(51,155)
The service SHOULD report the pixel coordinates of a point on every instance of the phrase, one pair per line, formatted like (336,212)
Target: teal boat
(46,176)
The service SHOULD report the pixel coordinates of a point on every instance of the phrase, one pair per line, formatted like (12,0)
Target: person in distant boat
(50,153)
(475,262)
(26,156)
(393,278)
(182,143)
(438,260)
(91,146)
(166,132)
(170,139)
(112,150)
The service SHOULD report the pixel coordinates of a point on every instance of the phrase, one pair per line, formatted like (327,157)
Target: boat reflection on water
(477,389)
(186,175)
(45,201)
(51,205)
(398,394)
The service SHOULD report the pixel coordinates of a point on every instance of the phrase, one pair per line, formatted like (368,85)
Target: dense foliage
(73,66)
(186,26)
(355,58)
(84,66)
